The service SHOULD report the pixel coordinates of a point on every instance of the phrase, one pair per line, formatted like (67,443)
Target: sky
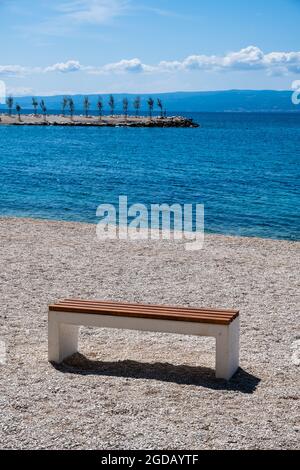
(50,47)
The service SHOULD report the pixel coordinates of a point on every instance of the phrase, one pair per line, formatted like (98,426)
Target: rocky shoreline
(105,121)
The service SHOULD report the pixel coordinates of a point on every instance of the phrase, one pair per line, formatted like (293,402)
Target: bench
(66,316)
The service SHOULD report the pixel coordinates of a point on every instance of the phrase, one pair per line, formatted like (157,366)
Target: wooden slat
(141,310)
(222,317)
(129,313)
(158,316)
(149,306)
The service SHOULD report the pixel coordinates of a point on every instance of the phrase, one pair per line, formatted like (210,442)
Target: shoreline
(96,121)
(89,224)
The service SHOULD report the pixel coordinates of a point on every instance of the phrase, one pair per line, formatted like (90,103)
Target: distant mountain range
(211,101)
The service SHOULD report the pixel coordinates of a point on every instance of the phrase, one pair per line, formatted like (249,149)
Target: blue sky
(97,46)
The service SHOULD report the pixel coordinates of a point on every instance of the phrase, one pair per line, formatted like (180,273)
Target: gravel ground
(131,390)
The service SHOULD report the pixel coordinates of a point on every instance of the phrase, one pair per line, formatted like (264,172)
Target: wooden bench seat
(67,315)
(160,312)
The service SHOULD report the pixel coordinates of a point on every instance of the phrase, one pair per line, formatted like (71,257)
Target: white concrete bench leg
(64,326)
(227,350)
(62,339)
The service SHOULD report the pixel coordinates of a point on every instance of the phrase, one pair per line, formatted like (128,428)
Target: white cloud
(247,59)
(131,65)
(12,70)
(64,67)
(250,58)
(290,61)
(92,11)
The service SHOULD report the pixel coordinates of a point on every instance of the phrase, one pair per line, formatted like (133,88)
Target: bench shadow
(78,364)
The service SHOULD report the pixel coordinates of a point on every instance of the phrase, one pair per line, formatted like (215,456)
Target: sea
(244,168)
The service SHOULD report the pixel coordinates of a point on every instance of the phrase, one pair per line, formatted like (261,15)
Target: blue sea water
(243,167)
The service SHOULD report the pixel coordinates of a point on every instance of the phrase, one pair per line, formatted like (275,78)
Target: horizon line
(226,90)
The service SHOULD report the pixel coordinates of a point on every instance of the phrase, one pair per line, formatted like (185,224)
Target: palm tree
(35,105)
(125,107)
(86,105)
(100,107)
(137,105)
(71,107)
(64,105)
(44,109)
(160,105)
(18,109)
(9,103)
(111,104)
(151,106)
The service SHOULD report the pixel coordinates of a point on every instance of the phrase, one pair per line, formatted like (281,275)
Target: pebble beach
(133,390)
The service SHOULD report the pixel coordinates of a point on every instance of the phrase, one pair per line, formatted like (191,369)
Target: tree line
(68,105)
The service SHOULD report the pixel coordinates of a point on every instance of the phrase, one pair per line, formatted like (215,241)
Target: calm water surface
(243,167)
